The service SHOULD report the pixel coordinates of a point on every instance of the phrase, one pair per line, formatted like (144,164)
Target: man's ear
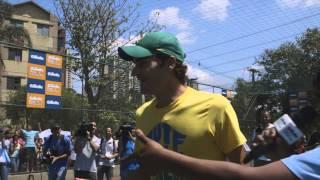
(172,62)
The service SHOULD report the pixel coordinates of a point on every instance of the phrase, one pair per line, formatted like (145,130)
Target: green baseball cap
(153,43)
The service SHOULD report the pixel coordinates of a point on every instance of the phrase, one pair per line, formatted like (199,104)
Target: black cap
(55,126)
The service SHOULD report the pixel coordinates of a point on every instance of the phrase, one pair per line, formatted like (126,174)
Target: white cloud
(213,9)
(170,17)
(123,41)
(205,77)
(298,3)
(186,37)
(312,3)
(201,76)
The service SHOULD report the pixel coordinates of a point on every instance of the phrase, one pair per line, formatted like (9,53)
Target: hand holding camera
(284,137)
(85,130)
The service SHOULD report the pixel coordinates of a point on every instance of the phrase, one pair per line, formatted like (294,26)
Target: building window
(15,54)
(16,23)
(43,30)
(13,83)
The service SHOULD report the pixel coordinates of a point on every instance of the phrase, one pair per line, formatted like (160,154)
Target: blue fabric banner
(36,86)
(53,102)
(37,57)
(53,74)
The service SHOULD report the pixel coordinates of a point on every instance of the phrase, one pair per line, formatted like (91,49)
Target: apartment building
(45,35)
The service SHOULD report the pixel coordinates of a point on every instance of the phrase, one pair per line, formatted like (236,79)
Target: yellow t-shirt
(197,124)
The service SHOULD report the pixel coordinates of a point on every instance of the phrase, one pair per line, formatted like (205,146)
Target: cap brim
(130,53)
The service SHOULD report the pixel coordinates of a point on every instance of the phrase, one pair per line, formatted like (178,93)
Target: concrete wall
(44,175)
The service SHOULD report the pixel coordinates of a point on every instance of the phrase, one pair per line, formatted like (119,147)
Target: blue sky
(222,38)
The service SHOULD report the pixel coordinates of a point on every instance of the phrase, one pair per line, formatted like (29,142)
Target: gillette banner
(44,80)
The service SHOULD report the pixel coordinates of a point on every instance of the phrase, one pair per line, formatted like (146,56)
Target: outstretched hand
(151,156)
(280,148)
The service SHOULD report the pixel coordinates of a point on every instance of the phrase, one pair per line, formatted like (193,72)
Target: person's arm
(115,150)
(237,155)
(68,147)
(45,147)
(227,133)
(94,145)
(67,151)
(193,168)
(55,158)
(77,145)
(114,155)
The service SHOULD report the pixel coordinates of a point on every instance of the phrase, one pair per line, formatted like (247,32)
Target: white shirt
(108,148)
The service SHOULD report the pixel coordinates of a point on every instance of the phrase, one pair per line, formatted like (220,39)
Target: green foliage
(291,67)
(95,29)
(288,68)
(69,116)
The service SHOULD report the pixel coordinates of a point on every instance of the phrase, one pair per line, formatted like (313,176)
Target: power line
(244,48)
(230,61)
(252,34)
(4,104)
(213,86)
(232,70)
(216,73)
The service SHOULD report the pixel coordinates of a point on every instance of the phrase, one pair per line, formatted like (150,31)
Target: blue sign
(53,102)
(53,74)
(37,57)
(36,86)
(224,92)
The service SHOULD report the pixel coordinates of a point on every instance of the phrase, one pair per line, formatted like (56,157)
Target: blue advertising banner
(37,57)
(53,74)
(44,82)
(36,86)
(53,102)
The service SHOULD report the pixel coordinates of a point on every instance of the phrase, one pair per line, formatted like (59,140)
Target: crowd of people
(23,148)
(92,156)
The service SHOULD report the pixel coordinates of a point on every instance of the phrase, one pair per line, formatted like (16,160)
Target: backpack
(113,143)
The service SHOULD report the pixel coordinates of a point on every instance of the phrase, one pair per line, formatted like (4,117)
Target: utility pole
(253,72)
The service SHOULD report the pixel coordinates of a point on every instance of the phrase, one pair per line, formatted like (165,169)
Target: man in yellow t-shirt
(182,119)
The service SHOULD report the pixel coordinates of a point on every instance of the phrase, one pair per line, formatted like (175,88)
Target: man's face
(29,127)
(93,126)
(151,74)
(266,117)
(133,132)
(56,131)
(108,132)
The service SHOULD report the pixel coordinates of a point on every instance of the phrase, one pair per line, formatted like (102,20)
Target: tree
(94,29)
(69,116)
(288,68)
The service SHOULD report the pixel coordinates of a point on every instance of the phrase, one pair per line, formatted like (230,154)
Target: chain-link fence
(16,119)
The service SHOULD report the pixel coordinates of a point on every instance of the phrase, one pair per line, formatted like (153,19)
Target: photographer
(86,147)
(127,146)
(56,150)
